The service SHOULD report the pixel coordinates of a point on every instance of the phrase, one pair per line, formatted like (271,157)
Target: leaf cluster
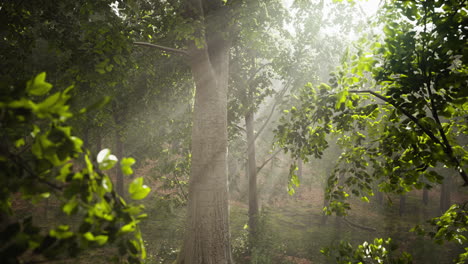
(40,158)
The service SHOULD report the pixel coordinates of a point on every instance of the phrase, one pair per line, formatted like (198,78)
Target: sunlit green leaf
(137,189)
(38,86)
(106,160)
(126,164)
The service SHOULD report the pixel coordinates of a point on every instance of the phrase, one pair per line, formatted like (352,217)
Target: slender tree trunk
(445,199)
(425,196)
(402,204)
(299,176)
(299,169)
(119,153)
(46,209)
(99,143)
(86,137)
(379,197)
(324,216)
(207,238)
(338,234)
(252,172)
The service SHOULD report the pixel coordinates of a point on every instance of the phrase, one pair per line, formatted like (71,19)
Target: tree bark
(324,215)
(119,153)
(252,172)
(379,196)
(299,170)
(207,238)
(445,199)
(425,196)
(402,204)
(98,143)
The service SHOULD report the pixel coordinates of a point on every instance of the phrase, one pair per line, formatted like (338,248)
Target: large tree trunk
(207,238)
(252,172)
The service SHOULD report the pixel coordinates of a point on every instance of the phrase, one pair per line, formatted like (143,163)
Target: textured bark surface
(252,172)
(207,238)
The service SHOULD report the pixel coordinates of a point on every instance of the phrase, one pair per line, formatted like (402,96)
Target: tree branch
(268,160)
(448,146)
(167,49)
(406,113)
(21,164)
(445,144)
(282,92)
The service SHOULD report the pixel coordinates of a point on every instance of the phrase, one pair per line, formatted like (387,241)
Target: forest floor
(293,228)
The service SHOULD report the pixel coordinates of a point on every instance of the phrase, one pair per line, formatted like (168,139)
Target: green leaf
(137,190)
(128,228)
(19,142)
(100,239)
(38,86)
(126,164)
(340,98)
(99,104)
(70,206)
(106,160)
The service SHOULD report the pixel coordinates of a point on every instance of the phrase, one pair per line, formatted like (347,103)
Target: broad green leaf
(62,232)
(19,142)
(126,164)
(340,98)
(128,228)
(100,239)
(64,172)
(138,190)
(38,86)
(70,206)
(106,160)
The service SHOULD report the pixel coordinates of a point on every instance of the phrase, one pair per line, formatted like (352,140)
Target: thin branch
(266,121)
(448,146)
(406,113)
(271,112)
(32,174)
(240,128)
(171,50)
(268,160)
(258,70)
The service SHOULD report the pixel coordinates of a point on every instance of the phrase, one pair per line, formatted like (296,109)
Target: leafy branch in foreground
(451,226)
(41,159)
(420,72)
(380,251)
